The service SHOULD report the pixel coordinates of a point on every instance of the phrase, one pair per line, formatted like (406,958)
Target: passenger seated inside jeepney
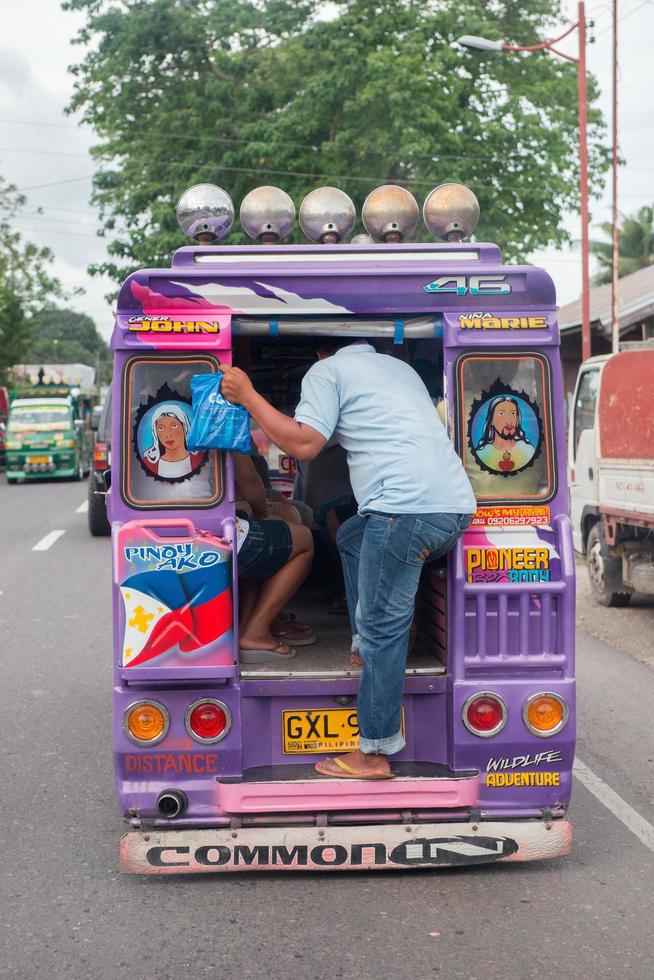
(323,484)
(274,558)
(292,510)
(322,491)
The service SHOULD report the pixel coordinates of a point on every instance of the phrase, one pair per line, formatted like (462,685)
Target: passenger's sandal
(293,634)
(347,772)
(263,656)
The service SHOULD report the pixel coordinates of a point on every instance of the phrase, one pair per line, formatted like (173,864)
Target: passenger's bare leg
(332,525)
(278,590)
(292,631)
(285,511)
(248,595)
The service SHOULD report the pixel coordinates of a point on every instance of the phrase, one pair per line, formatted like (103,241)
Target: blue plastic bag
(217,424)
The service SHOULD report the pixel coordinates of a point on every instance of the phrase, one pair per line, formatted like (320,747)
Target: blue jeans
(383,556)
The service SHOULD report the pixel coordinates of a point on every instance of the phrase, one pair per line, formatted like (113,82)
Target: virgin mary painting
(163,442)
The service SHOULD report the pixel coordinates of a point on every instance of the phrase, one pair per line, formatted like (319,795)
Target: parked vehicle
(97,509)
(48,432)
(214,758)
(4,412)
(611,458)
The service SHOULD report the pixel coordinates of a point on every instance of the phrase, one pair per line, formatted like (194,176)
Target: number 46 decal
(475,285)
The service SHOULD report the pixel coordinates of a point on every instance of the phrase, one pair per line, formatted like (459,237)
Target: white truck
(611,461)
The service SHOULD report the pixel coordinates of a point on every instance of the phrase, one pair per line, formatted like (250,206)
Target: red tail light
(101,456)
(208,720)
(484,714)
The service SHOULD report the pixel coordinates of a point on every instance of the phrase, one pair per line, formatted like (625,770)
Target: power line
(286,173)
(53,231)
(28,122)
(41,153)
(270,144)
(55,183)
(212,140)
(625,17)
(265,144)
(34,216)
(214,167)
(55,207)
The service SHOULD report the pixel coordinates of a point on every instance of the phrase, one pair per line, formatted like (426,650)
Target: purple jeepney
(214,760)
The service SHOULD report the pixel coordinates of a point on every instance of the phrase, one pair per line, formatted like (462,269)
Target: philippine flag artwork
(177,614)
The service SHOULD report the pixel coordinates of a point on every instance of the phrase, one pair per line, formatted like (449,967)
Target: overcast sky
(43,151)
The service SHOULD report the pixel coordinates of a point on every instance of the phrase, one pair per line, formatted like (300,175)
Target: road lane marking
(83,507)
(47,541)
(632,820)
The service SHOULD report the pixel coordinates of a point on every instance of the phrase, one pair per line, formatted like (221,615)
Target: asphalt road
(65,912)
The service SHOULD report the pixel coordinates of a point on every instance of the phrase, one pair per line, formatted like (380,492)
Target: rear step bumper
(298,789)
(368,848)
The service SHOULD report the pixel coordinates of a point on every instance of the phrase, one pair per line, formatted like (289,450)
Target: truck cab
(611,465)
(582,453)
(214,757)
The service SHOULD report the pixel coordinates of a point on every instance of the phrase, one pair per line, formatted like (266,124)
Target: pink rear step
(298,788)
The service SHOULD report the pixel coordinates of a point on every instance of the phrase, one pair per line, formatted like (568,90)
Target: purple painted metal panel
(513,639)
(296,280)
(424,714)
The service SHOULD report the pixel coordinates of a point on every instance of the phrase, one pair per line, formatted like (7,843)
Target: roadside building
(635,313)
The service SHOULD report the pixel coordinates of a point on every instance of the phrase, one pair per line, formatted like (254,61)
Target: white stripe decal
(632,820)
(48,540)
(83,507)
(466,848)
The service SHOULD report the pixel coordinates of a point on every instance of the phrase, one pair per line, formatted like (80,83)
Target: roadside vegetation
(635,245)
(27,285)
(300,93)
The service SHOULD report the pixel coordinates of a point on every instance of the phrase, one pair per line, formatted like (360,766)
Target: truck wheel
(602,570)
(97,514)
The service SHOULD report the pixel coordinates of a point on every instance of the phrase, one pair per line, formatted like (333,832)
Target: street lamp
(484,44)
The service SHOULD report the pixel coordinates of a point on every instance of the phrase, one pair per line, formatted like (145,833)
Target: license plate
(321,730)
(38,459)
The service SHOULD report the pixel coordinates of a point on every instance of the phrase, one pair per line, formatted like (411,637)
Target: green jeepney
(48,433)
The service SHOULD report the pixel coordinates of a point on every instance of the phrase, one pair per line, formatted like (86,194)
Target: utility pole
(485,44)
(615,322)
(583,184)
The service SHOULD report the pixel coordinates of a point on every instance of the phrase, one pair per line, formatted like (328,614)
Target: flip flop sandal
(263,656)
(282,622)
(298,638)
(356,659)
(285,616)
(347,772)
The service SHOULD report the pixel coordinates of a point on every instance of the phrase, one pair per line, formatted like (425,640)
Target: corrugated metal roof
(635,303)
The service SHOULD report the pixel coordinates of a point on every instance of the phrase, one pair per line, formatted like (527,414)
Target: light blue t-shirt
(401,460)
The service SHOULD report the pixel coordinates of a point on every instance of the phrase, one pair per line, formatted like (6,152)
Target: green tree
(26,284)
(635,245)
(67,337)
(245,92)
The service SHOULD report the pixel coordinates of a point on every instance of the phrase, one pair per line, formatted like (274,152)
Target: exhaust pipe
(172,803)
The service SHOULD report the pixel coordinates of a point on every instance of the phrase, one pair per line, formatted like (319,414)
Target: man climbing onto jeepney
(414,501)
